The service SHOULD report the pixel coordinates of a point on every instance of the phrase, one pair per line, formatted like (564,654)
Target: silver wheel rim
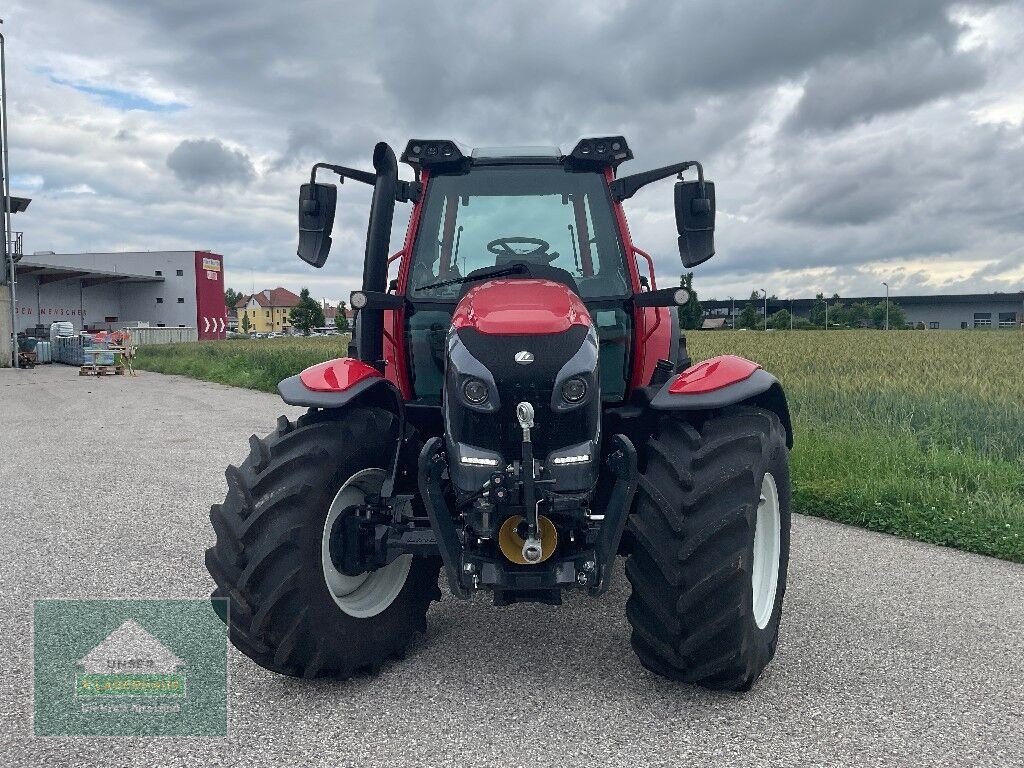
(368,593)
(767,551)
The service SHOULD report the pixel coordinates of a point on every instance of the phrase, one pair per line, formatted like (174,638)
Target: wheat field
(915,433)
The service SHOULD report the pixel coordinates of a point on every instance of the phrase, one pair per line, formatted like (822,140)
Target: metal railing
(14,245)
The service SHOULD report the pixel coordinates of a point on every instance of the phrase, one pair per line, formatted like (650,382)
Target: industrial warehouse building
(112,290)
(940,312)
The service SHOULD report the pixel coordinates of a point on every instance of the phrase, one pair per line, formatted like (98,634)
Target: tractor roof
(589,152)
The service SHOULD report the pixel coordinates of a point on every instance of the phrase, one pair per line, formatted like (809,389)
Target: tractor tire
(710,548)
(269,558)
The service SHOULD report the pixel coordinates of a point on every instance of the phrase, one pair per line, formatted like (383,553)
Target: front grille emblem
(524,357)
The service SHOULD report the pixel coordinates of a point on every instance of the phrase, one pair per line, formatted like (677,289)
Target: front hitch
(533,548)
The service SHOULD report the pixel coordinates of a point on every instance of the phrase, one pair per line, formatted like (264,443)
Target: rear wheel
(710,534)
(289,609)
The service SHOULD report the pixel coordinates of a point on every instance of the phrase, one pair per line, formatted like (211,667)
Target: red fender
(333,383)
(337,375)
(713,374)
(721,382)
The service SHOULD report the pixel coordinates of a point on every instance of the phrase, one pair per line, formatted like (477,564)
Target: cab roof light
(600,151)
(432,153)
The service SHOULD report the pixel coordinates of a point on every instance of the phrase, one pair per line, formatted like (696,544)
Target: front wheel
(710,549)
(289,609)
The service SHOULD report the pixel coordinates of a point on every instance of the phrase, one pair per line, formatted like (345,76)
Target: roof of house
(713,324)
(273,297)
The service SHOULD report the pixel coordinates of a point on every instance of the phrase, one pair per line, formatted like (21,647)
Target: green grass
(919,434)
(251,363)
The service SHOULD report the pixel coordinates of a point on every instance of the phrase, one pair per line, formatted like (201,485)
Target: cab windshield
(494,216)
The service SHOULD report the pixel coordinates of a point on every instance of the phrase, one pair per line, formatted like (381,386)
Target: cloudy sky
(850,142)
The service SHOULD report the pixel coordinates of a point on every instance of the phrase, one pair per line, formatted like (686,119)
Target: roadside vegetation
(251,363)
(915,434)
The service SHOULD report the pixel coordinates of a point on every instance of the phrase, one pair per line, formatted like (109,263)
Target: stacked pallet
(102,359)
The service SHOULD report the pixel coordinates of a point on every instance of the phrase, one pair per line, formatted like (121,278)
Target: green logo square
(130,668)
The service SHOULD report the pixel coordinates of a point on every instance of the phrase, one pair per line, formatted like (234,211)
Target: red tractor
(517,408)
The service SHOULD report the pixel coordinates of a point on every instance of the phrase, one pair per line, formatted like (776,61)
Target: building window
(159,300)
(268,313)
(1007,319)
(110,319)
(179,272)
(982,319)
(933,324)
(159,273)
(181,300)
(963,325)
(161,325)
(181,325)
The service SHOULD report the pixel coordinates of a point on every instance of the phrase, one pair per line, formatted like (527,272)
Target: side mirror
(695,221)
(317,203)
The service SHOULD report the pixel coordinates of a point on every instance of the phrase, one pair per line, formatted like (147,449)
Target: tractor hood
(520,307)
(516,341)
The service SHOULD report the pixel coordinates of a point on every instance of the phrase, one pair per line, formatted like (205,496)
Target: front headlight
(574,390)
(475,391)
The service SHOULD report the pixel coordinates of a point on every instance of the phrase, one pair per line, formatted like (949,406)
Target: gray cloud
(209,163)
(845,92)
(845,139)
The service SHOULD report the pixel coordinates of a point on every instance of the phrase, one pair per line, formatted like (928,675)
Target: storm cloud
(850,142)
(209,163)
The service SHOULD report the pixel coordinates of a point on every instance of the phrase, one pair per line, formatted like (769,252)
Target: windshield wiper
(513,270)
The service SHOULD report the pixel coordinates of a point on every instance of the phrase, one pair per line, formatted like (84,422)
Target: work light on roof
(601,150)
(426,153)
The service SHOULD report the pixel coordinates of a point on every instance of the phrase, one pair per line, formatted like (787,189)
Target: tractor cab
(506,212)
(517,206)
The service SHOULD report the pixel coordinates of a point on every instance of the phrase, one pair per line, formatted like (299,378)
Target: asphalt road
(892,652)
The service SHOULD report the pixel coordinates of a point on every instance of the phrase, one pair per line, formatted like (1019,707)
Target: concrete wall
(6,350)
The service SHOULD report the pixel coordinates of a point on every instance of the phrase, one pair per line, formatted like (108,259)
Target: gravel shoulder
(892,652)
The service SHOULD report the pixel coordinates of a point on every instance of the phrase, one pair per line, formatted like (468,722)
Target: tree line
(860,314)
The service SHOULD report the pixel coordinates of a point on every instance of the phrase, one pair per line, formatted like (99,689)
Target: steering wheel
(502,248)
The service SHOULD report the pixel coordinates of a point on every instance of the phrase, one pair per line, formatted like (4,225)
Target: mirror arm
(408,191)
(345,173)
(627,186)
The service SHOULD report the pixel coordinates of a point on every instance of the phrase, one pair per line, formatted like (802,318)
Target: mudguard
(723,381)
(333,383)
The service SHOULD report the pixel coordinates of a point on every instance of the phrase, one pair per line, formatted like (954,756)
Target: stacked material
(43,352)
(61,328)
(98,353)
(68,349)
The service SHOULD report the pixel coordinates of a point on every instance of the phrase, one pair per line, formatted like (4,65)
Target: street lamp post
(791,314)
(732,313)
(5,191)
(886,304)
(765,291)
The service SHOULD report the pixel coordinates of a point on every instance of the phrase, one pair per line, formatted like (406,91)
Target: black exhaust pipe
(370,341)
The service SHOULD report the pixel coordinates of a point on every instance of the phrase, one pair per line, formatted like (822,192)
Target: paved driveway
(892,652)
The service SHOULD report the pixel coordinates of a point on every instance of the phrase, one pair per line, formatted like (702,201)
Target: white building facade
(111,290)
